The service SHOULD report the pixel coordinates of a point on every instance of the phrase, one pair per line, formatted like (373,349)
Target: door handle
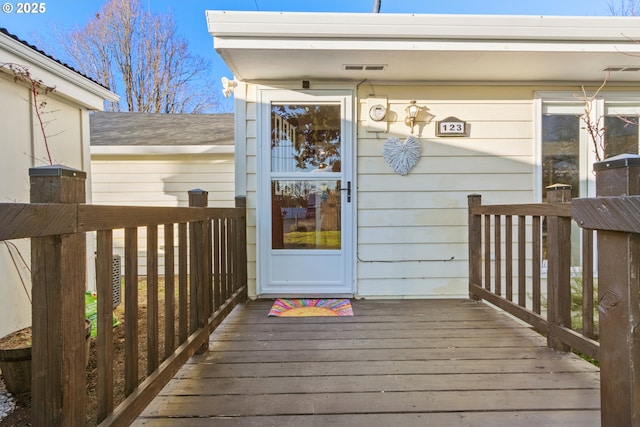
(348,190)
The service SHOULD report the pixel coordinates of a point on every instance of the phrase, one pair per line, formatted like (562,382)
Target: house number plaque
(451,126)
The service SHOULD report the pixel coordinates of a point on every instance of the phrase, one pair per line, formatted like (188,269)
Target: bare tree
(140,56)
(594,125)
(624,7)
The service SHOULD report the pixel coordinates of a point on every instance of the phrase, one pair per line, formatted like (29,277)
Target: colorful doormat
(311,307)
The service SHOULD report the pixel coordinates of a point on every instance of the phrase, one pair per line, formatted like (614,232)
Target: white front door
(305,194)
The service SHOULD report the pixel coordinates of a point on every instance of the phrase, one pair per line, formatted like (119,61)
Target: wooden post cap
(56,170)
(557,193)
(620,161)
(557,187)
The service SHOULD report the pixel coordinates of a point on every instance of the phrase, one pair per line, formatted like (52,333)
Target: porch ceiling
(295,46)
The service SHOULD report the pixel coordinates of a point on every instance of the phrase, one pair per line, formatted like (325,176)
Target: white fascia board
(159,150)
(375,27)
(67,83)
(423,45)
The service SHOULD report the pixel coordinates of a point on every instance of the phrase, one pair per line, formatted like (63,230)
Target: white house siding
(412,230)
(164,180)
(17,158)
(24,148)
(251,185)
(23,145)
(15,116)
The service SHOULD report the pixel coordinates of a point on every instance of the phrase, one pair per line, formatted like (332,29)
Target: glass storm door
(306,197)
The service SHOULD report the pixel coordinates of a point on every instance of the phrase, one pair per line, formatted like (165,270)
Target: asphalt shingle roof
(123,129)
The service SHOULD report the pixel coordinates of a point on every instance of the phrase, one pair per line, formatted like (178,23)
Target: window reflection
(561,165)
(305,214)
(561,151)
(621,135)
(305,138)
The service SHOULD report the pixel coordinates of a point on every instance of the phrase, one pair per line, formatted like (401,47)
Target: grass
(312,239)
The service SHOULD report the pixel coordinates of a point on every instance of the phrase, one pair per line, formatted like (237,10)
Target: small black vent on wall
(622,68)
(364,67)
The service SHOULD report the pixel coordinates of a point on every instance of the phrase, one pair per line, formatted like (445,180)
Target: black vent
(364,67)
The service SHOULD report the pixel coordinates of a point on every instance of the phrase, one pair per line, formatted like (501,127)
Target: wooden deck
(395,363)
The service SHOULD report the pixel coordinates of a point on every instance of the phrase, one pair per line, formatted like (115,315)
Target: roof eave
(401,47)
(294,25)
(31,56)
(159,150)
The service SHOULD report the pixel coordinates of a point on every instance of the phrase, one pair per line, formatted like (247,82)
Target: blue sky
(189,15)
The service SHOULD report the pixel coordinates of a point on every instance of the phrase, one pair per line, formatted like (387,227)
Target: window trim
(587,154)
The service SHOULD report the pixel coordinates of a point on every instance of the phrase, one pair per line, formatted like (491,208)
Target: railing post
(475,245)
(200,261)
(559,270)
(241,202)
(618,296)
(58,271)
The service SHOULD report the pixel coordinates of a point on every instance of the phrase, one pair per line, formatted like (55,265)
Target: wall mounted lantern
(412,113)
(228,86)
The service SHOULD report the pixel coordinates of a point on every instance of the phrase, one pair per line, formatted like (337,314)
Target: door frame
(263,185)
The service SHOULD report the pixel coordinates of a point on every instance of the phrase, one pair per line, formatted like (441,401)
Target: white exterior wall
(17,140)
(251,184)
(412,230)
(15,117)
(163,180)
(23,147)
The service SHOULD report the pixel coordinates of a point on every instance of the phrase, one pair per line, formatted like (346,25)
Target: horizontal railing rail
(26,220)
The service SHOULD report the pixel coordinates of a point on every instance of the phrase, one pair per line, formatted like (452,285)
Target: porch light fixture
(228,86)
(412,113)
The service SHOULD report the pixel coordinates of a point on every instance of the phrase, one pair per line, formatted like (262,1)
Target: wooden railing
(614,217)
(505,267)
(210,279)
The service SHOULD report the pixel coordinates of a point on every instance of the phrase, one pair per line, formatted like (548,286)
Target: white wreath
(402,156)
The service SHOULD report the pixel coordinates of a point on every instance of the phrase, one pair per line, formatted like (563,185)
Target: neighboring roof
(35,48)
(146,129)
(268,46)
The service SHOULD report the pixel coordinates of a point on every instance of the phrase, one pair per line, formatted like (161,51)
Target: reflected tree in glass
(621,135)
(561,151)
(305,138)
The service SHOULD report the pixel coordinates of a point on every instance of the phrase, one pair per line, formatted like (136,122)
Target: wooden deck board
(380,383)
(434,362)
(366,355)
(371,402)
(200,368)
(467,418)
